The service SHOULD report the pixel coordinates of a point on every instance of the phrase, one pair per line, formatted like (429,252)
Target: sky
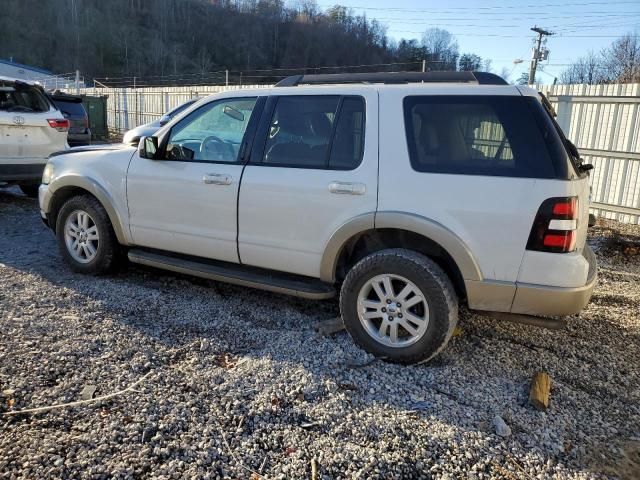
(500,29)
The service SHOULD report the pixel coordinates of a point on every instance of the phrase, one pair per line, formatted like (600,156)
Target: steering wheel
(217,145)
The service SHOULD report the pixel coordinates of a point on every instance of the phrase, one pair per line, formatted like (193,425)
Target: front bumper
(544,300)
(44,198)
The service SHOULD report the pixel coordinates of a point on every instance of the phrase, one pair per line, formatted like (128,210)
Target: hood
(92,148)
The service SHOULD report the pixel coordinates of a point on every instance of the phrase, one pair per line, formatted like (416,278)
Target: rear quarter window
(480,135)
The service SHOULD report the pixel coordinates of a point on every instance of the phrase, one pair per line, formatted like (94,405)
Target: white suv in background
(31,128)
(407,193)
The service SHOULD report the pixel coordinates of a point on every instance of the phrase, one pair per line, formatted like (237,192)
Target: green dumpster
(96,107)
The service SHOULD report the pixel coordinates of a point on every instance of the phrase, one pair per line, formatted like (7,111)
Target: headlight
(47,174)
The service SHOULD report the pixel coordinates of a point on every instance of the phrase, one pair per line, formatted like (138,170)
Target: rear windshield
(17,97)
(72,109)
(504,136)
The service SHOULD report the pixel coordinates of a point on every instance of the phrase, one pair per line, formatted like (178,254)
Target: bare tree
(442,49)
(622,59)
(588,69)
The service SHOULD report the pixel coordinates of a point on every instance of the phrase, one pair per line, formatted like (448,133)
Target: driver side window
(212,133)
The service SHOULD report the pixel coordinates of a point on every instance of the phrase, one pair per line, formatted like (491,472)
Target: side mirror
(164,120)
(148,147)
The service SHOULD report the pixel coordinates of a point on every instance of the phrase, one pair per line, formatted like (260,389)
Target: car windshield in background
(19,97)
(71,109)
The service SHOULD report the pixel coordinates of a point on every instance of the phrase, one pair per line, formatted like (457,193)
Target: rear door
(26,136)
(313,169)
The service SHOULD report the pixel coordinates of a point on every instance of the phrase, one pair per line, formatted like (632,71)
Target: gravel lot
(239,385)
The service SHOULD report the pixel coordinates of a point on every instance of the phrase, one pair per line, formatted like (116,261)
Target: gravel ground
(238,384)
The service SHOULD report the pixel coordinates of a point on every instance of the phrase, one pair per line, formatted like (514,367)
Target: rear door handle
(217,179)
(347,188)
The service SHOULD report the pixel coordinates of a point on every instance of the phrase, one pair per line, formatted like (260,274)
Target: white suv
(31,128)
(407,193)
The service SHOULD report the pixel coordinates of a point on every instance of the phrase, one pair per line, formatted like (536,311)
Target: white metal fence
(129,107)
(602,120)
(604,123)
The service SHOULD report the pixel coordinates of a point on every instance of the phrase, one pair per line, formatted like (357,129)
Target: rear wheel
(400,305)
(85,236)
(30,190)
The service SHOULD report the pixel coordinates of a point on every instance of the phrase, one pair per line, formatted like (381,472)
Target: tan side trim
(98,191)
(554,301)
(448,240)
(551,301)
(490,295)
(332,250)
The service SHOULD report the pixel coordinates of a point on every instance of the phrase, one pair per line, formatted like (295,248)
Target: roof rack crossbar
(480,78)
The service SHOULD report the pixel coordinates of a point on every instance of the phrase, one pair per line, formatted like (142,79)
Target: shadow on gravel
(233,338)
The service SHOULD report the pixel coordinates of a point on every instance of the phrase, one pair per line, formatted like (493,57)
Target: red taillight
(61,125)
(565,241)
(555,225)
(566,209)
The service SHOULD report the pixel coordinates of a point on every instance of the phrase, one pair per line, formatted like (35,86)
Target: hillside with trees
(185,41)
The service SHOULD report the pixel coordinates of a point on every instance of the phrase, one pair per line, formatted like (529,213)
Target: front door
(186,201)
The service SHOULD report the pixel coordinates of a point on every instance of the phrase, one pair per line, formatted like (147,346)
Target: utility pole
(538,53)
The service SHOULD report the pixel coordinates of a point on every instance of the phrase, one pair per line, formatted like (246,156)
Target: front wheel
(85,236)
(399,305)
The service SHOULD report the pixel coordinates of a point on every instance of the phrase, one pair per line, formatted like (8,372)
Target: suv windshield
(20,97)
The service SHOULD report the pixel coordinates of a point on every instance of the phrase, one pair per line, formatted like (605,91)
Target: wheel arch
(358,238)
(69,186)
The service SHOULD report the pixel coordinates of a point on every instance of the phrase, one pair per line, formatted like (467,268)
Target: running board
(253,277)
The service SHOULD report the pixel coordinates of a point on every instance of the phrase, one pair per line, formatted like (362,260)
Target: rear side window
(320,131)
(16,97)
(479,135)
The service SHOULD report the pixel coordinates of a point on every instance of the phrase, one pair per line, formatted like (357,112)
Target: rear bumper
(554,301)
(79,139)
(26,172)
(534,299)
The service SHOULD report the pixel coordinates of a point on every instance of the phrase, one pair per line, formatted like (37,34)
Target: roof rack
(479,78)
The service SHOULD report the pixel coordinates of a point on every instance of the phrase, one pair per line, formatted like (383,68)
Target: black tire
(30,190)
(430,279)
(108,249)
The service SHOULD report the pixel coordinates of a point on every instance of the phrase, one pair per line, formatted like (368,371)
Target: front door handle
(347,188)
(217,179)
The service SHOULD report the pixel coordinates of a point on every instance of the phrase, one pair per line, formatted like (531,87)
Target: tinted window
(348,143)
(70,108)
(316,132)
(213,132)
(15,97)
(480,135)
